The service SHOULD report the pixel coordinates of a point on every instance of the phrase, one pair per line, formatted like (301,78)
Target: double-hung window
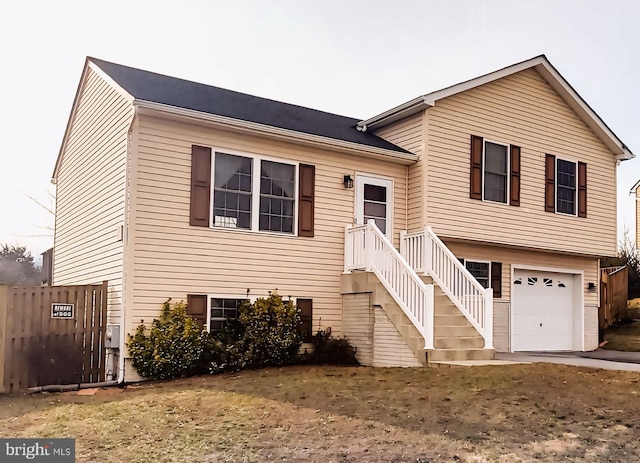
(566,186)
(253,193)
(495,173)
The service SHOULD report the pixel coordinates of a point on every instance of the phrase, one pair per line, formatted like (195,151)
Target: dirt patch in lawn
(540,412)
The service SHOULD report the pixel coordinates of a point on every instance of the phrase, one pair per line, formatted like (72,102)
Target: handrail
(367,248)
(426,253)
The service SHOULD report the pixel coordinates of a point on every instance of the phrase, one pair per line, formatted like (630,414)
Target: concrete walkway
(605,359)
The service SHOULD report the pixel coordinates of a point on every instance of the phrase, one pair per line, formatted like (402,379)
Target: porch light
(348,181)
(591,286)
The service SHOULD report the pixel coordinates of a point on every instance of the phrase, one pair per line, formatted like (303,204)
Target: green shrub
(267,333)
(173,347)
(330,350)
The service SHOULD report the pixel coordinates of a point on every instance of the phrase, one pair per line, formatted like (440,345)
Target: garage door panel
(542,311)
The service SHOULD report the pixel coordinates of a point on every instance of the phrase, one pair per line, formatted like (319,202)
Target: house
(464,221)
(635,190)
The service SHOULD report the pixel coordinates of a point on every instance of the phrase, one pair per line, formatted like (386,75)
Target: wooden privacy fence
(52,335)
(614,289)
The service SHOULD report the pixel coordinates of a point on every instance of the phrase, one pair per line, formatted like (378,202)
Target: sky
(356,58)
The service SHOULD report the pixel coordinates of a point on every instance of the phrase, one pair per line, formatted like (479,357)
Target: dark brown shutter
(582,189)
(475,184)
(550,184)
(496,279)
(306,198)
(200,186)
(306,319)
(197,308)
(514,196)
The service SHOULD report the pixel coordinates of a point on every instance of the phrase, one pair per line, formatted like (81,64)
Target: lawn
(540,412)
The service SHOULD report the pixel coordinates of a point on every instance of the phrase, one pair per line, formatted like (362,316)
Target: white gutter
(405,109)
(148,107)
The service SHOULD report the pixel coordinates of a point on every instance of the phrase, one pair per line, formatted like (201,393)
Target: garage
(546,311)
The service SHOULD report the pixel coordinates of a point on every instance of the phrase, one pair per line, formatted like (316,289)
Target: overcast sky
(355,58)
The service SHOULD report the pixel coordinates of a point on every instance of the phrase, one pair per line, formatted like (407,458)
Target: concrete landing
(473,363)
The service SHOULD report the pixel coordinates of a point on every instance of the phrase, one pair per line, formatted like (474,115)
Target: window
(221,310)
(488,274)
(232,191)
(277,186)
(375,205)
(235,199)
(565,186)
(251,193)
(495,172)
(480,270)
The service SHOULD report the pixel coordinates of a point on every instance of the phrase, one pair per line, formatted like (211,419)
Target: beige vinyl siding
(357,319)
(523,110)
(591,338)
(409,134)
(90,192)
(390,349)
(172,259)
(501,327)
(510,256)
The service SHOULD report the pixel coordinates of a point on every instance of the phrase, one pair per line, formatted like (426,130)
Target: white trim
(172,112)
(256,160)
(508,173)
(578,297)
(634,187)
(360,179)
(116,86)
(575,191)
(542,65)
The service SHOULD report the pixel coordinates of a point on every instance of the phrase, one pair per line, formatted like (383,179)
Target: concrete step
(443,331)
(450,320)
(460,354)
(447,308)
(461,342)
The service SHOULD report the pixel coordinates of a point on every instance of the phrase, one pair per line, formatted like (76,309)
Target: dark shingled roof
(158,88)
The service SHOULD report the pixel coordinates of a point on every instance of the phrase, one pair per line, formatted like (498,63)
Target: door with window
(374,200)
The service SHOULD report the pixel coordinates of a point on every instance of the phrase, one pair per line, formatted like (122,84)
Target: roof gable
(180,93)
(549,73)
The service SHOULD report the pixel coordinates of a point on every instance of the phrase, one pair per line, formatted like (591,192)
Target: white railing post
(368,244)
(427,257)
(348,249)
(429,314)
(403,244)
(488,318)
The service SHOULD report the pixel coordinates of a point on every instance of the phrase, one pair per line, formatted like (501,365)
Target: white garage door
(542,311)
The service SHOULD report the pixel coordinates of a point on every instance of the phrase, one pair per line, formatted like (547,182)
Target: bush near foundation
(172,348)
(328,350)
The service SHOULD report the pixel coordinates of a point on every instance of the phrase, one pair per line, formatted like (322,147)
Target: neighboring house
(635,190)
(170,188)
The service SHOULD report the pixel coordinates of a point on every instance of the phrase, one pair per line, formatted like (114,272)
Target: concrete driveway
(600,358)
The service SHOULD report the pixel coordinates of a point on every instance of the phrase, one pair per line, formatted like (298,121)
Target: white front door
(374,200)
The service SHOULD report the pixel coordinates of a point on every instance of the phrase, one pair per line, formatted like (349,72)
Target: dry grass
(514,413)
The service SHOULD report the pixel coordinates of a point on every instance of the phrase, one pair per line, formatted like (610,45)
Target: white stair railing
(427,254)
(367,248)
